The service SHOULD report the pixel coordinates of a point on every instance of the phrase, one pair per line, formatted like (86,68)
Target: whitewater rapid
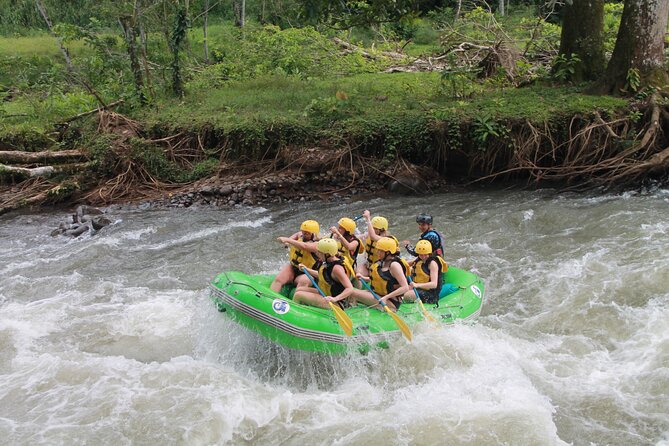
(111,339)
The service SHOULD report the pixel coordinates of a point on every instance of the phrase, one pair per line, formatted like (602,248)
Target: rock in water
(84,219)
(100,222)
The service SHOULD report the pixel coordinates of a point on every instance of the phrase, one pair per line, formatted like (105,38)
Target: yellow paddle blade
(427,315)
(404,328)
(344,321)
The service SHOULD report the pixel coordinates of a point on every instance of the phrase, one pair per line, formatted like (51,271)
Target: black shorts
(396,301)
(428,296)
(343,304)
(296,270)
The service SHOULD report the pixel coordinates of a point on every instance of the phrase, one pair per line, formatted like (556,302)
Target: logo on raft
(280,306)
(476,290)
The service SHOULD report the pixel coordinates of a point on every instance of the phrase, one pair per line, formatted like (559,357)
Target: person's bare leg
(302,281)
(365,298)
(312,298)
(286,275)
(409,296)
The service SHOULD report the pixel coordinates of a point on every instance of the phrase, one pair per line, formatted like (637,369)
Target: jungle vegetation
(536,90)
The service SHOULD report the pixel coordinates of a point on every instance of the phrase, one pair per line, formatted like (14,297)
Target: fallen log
(44,171)
(19,157)
(350,48)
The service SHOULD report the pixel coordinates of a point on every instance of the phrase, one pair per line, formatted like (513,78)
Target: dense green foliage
(299,52)
(283,78)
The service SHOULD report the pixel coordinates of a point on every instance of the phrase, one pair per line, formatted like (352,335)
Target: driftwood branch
(18,157)
(44,171)
(35,199)
(90,112)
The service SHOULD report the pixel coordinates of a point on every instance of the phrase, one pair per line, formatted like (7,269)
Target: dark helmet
(424,218)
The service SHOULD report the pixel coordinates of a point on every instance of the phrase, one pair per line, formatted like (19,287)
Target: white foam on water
(158,316)
(573,347)
(204,234)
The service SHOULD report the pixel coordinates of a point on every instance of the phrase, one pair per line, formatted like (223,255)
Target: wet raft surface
(248,300)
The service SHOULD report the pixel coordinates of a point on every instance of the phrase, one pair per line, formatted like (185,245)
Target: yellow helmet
(379,222)
(348,224)
(310,226)
(328,246)
(423,247)
(386,244)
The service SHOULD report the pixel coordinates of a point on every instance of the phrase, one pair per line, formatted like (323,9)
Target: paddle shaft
(342,318)
(376,296)
(420,302)
(313,282)
(404,328)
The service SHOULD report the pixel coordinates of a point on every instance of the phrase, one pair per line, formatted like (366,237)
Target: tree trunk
(582,29)
(65,51)
(145,60)
(500,8)
(639,46)
(457,11)
(130,34)
(177,39)
(204,31)
(239,7)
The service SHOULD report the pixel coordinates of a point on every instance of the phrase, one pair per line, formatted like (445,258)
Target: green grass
(37,45)
(362,103)
(284,99)
(30,114)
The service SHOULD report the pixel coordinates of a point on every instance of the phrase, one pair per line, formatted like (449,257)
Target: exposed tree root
(595,152)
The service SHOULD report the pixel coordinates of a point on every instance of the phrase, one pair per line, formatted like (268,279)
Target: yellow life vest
(352,257)
(327,283)
(297,256)
(370,249)
(420,271)
(383,282)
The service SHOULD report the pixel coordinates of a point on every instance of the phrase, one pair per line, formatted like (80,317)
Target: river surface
(112,340)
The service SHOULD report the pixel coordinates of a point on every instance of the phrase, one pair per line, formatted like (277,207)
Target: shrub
(302,52)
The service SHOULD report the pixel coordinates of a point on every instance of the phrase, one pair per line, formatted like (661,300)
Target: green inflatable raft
(248,300)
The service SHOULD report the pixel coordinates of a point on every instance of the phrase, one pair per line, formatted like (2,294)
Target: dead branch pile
(27,193)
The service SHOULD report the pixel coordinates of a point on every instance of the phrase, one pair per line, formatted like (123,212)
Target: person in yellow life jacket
(302,250)
(377,227)
(349,245)
(426,273)
(387,276)
(333,278)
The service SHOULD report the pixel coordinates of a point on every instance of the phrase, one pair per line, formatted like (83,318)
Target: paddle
(426,315)
(344,321)
(404,328)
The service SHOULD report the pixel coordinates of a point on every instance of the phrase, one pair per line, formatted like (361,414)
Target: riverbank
(276,139)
